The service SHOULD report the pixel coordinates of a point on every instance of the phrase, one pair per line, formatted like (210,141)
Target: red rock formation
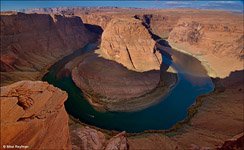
(128,42)
(113,84)
(119,142)
(33,115)
(90,139)
(87,138)
(31,42)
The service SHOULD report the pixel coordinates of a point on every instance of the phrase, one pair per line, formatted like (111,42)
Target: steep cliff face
(218,43)
(127,41)
(33,115)
(30,42)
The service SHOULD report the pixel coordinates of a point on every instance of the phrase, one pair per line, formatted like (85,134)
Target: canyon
(30,43)
(125,65)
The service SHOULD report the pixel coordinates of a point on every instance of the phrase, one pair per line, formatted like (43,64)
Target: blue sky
(226,5)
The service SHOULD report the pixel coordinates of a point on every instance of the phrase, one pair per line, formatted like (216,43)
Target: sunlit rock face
(33,114)
(212,42)
(127,41)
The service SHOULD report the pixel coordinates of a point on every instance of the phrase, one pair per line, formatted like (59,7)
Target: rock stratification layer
(33,115)
(127,41)
(32,42)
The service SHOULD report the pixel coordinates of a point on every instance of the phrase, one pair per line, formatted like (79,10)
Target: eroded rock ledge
(33,114)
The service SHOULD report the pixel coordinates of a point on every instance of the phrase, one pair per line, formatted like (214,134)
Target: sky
(234,5)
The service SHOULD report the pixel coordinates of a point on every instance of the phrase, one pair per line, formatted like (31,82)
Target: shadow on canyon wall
(94,28)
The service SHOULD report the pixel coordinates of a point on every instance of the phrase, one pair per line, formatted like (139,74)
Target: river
(171,109)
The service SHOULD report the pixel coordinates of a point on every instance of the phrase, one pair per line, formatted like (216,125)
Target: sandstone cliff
(217,43)
(127,41)
(33,114)
(31,42)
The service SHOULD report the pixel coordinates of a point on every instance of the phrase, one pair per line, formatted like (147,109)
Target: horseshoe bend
(121,78)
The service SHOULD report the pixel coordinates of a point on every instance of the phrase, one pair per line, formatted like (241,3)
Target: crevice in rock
(146,23)
(27,118)
(130,58)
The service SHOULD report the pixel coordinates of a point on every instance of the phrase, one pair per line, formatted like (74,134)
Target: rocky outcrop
(118,141)
(211,42)
(85,138)
(31,42)
(33,115)
(114,85)
(127,41)
(237,142)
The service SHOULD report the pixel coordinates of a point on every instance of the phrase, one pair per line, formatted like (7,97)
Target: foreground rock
(83,138)
(33,115)
(127,41)
(32,42)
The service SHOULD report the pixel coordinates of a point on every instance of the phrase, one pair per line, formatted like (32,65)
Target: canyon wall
(32,42)
(218,44)
(33,115)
